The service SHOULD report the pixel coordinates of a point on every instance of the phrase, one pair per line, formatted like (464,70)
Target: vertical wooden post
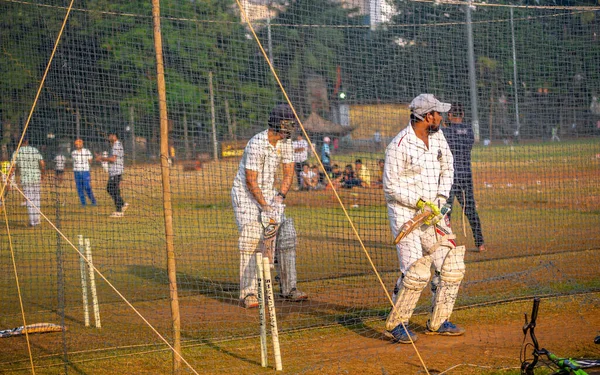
(167,206)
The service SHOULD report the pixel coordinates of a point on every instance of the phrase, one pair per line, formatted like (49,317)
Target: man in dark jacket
(460,138)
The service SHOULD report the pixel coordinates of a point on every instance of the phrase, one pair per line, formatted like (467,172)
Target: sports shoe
(481,248)
(125,207)
(401,334)
(446,329)
(116,214)
(249,302)
(295,295)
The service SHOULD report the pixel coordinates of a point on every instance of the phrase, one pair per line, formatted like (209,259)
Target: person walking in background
(379,176)
(116,167)
(460,138)
(59,167)
(300,156)
(31,166)
(82,157)
(255,201)
(417,177)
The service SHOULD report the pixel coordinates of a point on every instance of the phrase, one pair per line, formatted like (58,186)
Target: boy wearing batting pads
(417,177)
(255,201)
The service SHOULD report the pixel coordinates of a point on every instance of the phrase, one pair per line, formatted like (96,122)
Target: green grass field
(539,205)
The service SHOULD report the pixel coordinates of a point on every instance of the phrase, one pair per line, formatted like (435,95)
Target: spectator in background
(308,178)
(326,155)
(59,167)
(116,167)
(460,138)
(8,178)
(82,157)
(31,166)
(379,177)
(349,179)
(336,177)
(300,156)
(317,179)
(362,174)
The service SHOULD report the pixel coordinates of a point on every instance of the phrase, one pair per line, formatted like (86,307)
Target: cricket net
(527,76)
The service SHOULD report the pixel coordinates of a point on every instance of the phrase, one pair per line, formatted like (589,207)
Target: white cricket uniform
(301,156)
(28,160)
(264,158)
(412,172)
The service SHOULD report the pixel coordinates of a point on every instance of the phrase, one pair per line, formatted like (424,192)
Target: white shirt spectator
(308,177)
(59,162)
(116,168)
(300,157)
(81,160)
(28,160)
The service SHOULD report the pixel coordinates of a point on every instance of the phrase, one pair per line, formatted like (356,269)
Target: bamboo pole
(165,171)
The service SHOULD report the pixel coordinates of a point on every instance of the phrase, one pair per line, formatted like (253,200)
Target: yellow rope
(14,264)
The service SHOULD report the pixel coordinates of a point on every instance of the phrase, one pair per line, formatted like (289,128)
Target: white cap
(426,103)
(326,140)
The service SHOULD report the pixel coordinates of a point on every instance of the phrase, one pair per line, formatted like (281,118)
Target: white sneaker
(125,207)
(116,214)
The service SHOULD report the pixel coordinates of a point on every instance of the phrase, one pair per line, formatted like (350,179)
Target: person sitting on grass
(378,183)
(362,174)
(349,180)
(309,180)
(318,181)
(336,177)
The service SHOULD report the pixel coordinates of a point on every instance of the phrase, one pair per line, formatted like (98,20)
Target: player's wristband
(281,194)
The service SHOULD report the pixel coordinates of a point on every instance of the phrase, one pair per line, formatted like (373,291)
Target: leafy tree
(308,39)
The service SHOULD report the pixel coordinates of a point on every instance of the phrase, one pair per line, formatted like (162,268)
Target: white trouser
(419,242)
(416,252)
(247,217)
(32,193)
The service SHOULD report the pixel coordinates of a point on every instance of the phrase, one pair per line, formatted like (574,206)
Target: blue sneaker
(401,334)
(446,329)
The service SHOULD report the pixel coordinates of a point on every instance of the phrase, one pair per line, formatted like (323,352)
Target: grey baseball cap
(426,103)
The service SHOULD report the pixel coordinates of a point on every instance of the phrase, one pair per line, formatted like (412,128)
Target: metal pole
(186,137)
(472,75)
(269,41)
(165,171)
(515,83)
(132,130)
(77,123)
(212,116)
